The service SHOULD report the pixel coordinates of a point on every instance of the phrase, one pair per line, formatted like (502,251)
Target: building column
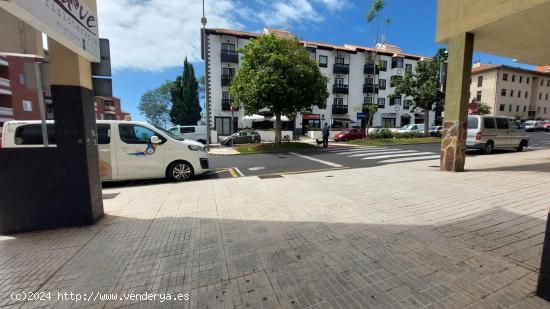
(543,287)
(453,151)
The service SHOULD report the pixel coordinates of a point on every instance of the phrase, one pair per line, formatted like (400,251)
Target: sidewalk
(222,151)
(397,236)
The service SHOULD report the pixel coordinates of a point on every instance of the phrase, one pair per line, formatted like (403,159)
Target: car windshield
(530,123)
(171,135)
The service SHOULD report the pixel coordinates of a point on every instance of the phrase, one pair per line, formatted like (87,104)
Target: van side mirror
(155,140)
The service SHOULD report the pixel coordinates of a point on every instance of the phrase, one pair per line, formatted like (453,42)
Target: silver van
(485,133)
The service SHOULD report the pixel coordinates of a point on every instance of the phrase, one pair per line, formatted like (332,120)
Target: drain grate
(110,196)
(269,176)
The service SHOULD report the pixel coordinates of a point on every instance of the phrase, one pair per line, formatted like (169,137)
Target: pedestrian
(326,133)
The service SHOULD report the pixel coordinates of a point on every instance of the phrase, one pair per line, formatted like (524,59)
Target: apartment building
(513,92)
(352,78)
(109,108)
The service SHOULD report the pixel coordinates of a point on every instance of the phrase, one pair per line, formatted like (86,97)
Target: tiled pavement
(395,236)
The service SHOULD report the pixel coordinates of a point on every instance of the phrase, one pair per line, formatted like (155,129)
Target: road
(338,156)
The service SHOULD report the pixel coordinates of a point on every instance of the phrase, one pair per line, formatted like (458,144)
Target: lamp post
(206,77)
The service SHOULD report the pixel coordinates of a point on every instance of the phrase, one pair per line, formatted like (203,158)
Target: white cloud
(157,34)
(152,35)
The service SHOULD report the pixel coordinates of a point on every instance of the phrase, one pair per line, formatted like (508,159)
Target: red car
(349,134)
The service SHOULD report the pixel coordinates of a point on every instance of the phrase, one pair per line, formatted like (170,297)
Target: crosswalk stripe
(366,151)
(393,152)
(346,149)
(399,155)
(410,159)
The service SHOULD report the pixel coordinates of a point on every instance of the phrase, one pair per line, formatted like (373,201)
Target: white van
(194,133)
(485,133)
(412,128)
(127,149)
(533,125)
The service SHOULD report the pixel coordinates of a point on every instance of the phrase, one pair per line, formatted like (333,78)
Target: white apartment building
(351,84)
(512,92)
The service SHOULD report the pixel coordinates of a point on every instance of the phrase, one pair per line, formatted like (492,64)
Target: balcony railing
(340,89)
(370,88)
(109,108)
(340,68)
(6,111)
(369,69)
(226,79)
(339,109)
(47,93)
(230,56)
(226,105)
(4,82)
(49,116)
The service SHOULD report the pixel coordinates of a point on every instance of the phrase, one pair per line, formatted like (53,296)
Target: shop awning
(342,119)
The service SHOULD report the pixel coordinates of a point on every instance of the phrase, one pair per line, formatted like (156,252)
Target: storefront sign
(311,116)
(362,116)
(69,22)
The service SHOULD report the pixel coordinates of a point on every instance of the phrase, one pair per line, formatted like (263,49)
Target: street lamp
(206,78)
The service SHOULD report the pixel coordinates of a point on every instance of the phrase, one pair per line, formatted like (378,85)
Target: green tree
(484,108)
(155,105)
(186,109)
(278,74)
(424,87)
(371,109)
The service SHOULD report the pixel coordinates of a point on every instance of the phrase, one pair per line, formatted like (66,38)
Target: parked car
(242,137)
(486,133)
(350,134)
(533,125)
(194,133)
(127,149)
(412,128)
(547,126)
(436,129)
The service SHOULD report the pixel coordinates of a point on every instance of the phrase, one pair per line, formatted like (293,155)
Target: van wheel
(180,171)
(489,147)
(522,145)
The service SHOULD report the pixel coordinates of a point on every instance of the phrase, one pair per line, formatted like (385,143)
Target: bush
(386,133)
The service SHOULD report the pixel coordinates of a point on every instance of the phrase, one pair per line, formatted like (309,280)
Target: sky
(151,38)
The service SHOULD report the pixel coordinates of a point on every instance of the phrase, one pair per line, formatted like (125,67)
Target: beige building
(512,92)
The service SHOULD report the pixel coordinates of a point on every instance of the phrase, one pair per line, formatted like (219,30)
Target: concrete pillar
(453,150)
(543,287)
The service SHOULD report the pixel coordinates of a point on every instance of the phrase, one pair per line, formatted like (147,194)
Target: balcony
(369,69)
(340,89)
(6,111)
(109,108)
(339,109)
(226,105)
(226,80)
(49,116)
(370,88)
(340,68)
(230,56)
(4,82)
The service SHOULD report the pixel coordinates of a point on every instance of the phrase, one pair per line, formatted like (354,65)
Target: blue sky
(151,41)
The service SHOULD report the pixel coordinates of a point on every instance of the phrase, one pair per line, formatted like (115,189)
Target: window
(136,134)
(542,82)
(504,76)
(397,62)
(339,60)
(540,96)
(548,83)
(513,124)
(513,78)
(312,55)
(520,79)
(527,80)
(226,95)
(408,68)
(478,96)
(502,123)
(473,122)
(103,134)
(338,81)
(525,109)
(381,102)
(22,79)
(480,81)
(388,122)
(511,93)
(367,100)
(546,97)
(489,123)
(395,101)
(228,47)
(526,94)
(228,71)
(382,84)
(338,101)
(538,110)
(187,130)
(407,104)
(368,81)
(27,106)
(519,93)
(503,92)
(32,135)
(517,108)
(323,61)
(223,125)
(510,107)
(383,65)
(502,107)
(394,79)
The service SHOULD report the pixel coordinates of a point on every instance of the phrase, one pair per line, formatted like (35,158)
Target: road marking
(410,159)
(239,172)
(382,153)
(316,160)
(368,151)
(232,172)
(351,149)
(307,171)
(399,155)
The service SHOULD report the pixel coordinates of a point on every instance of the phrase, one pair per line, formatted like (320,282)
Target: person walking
(326,133)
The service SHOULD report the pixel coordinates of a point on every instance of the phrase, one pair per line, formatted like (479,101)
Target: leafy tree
(371,109)
(186,109)
(277,74)
(424,87)
(155,105)
(484,108)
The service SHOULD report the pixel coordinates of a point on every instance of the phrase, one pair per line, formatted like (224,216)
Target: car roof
(22,122)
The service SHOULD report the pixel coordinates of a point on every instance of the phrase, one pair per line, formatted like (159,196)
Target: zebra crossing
(380,154)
